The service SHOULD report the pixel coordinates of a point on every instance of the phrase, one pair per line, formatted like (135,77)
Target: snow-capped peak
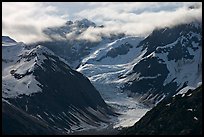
(18,64)
(41,49)
(7,39)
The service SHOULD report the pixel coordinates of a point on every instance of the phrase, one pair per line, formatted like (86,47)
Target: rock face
(40,83)
(178,115)
(18,122)
(172,60)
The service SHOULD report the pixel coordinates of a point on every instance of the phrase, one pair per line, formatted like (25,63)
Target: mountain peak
(7,39)
(69,22)
(195,6)
(43,49)
(85,23)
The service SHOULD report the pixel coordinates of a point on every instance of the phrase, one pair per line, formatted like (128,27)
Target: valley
(110,84)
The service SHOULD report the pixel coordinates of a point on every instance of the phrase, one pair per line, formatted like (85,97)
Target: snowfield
(18,63)
(104,75)
(11,62)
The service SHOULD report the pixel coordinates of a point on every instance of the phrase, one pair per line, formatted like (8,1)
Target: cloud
(25,21)
(71,35)
(95,34)
(123,18)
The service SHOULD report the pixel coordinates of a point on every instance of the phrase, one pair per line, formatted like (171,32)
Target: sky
(24,21)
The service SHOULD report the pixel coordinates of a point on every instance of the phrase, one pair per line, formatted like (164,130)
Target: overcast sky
(25,21)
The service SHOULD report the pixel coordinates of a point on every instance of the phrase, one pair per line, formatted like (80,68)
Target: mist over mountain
(131,71)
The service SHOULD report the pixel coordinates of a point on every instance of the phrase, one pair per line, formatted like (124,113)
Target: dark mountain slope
(179,115)
(172,61)
(43,85)
(18,122)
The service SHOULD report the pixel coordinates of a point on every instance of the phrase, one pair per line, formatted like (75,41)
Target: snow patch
(185,89)
(195,118)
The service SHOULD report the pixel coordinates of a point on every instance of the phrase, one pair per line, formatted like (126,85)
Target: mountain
(172,61)
(67,41)
(76,27)
(41,84)
(178,115)
(18,122)
(104,67)
(149,69)
(106,64)
(133,74)
(7,39)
